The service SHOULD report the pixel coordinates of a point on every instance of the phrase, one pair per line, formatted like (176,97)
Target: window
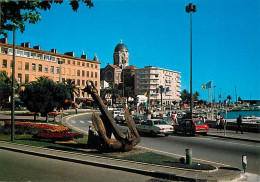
(74,63)
(52,69)
(78,82)
(33,67)
(95,83)
(26,66)
(4,50)
(4,65)
(78,72)
(69,71)
(40,68)
(26,78)
(33,55)
(63,80)
(91,65)
(46,69)
(11,63)
(53,58)
(57,70)
(95,74)
(19,78)
(83,82)
(87,64)
(39,56)
(78,63)
(87,73)
(27,54)
(83,73)
(19,65)
(63,61)
(68,62)
(83,64)
(95,65)
(91,74)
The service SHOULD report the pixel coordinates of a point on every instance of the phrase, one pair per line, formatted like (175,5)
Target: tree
(72,89)
(43,96)
(17,13)
(185,96)
(229,98)
(5,87)
(196,96)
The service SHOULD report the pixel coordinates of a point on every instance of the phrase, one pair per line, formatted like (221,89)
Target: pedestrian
(173,117)
(218,122)
(239,123)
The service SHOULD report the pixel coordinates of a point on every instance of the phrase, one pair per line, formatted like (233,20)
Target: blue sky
(226,38)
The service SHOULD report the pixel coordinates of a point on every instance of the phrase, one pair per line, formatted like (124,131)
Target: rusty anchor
(106,127)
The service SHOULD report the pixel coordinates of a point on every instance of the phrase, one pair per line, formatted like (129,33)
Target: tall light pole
(13,88)
(191,9)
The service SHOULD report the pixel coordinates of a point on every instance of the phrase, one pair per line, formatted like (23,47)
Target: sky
(225,39)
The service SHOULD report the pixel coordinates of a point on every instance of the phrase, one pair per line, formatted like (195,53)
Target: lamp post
(60,63)
(191,9)
(13,89)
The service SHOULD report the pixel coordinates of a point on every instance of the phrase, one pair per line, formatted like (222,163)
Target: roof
(121,47)
(114,66)
(130,67)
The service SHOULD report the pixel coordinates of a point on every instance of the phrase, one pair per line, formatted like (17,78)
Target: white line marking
(73,121)
(90,122)
(82,122)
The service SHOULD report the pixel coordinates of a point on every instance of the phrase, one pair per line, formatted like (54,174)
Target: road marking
(73,121)
(82,122)
(90,122)
(177,155)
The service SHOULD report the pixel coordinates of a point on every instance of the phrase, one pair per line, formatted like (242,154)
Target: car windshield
(199,122)
(160,122)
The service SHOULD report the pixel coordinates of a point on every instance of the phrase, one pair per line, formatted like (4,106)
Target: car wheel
(204,134)
(166,135)
(152,133)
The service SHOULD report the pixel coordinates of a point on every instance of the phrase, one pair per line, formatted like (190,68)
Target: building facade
(150,80)
(31,63)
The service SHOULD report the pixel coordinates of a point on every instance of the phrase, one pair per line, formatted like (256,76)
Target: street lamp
(60,63)
(191,9)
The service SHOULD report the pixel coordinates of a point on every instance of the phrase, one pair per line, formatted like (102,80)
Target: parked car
(139,118)
(120,117)
(154,127)
(192,127)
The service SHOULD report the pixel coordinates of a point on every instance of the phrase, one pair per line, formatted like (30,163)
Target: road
(205,149)
(23,167)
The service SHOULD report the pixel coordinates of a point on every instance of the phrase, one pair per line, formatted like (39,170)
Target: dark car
(139,118)
(192,127)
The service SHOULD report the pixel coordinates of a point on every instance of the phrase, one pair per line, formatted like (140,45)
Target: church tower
(121,55)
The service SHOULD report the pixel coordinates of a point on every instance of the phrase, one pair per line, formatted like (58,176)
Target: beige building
(149,79)
(31,63)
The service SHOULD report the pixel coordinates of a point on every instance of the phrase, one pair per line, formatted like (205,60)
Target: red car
(192,127)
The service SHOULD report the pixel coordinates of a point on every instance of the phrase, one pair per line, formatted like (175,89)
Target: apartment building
(149,81)
(31,63)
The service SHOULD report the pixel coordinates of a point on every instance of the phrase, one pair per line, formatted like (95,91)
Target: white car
(154,127)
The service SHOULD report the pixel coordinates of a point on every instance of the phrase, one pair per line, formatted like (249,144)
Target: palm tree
(229,98)
(196,96)
(70,85)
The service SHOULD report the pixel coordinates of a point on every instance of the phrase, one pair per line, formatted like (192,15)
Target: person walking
(218,121)
(239,122)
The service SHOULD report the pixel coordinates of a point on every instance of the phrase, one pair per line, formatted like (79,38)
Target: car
(154,127)
(139,118)
(120,117)
(192,127)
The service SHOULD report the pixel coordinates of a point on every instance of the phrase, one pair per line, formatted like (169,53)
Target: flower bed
(57,136)
(44,131)
(40,126)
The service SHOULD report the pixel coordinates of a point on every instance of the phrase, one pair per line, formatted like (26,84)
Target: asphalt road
(207,149)
(23,167)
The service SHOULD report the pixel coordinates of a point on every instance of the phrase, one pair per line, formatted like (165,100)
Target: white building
(148,81)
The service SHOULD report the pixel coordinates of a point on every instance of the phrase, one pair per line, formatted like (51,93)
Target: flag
(207,85)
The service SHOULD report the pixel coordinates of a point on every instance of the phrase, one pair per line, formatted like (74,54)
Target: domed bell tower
(121,55)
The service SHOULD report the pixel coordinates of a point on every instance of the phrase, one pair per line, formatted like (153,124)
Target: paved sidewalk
(221,174)
(247,136)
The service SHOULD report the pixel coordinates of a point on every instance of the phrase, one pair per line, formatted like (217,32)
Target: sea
(235,114)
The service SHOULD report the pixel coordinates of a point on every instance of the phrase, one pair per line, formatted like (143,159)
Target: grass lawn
(80,145)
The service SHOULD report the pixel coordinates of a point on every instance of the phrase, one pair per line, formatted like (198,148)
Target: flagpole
(211,101)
